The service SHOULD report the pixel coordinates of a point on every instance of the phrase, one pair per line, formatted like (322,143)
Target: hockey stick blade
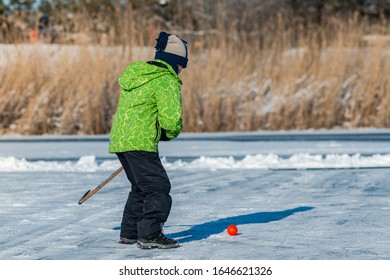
(90,193)
(82,198)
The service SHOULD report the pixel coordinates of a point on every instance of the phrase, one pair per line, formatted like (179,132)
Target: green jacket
(150,100)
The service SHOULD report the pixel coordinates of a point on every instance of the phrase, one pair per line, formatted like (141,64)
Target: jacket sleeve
(169,106)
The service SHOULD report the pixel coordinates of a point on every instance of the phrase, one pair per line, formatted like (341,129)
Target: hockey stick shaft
(90,193)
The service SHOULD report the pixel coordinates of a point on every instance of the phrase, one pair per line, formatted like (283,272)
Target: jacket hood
(141,73)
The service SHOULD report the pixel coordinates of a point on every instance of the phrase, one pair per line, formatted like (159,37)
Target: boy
(149,110)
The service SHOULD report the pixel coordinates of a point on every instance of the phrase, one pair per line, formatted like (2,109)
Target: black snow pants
(149,203)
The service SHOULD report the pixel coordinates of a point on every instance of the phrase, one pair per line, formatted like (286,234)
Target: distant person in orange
(33,35)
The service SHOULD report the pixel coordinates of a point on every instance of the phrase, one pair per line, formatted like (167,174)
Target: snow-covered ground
(293,196)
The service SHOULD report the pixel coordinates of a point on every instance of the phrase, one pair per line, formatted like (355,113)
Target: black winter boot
(157,240)
(127,241)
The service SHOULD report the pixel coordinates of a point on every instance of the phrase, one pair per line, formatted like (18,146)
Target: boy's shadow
(202,231)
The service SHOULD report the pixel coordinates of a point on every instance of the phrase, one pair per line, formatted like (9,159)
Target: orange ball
(232,230)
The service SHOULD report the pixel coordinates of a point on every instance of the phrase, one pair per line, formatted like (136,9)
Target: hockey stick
(90,193)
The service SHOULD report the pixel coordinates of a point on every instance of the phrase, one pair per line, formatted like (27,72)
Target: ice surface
(326,199)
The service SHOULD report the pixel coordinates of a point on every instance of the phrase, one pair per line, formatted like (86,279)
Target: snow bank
(84,164)
(260,161)
(297,161)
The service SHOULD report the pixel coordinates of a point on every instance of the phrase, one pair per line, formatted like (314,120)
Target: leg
(153,185)
(134,204)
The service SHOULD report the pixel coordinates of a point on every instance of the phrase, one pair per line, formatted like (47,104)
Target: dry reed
(324,77)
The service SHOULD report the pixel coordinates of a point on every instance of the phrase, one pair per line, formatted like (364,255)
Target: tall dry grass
(284,77)
(329,77)
(66,90)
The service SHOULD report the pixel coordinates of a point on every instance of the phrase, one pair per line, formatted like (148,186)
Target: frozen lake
(312,195)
